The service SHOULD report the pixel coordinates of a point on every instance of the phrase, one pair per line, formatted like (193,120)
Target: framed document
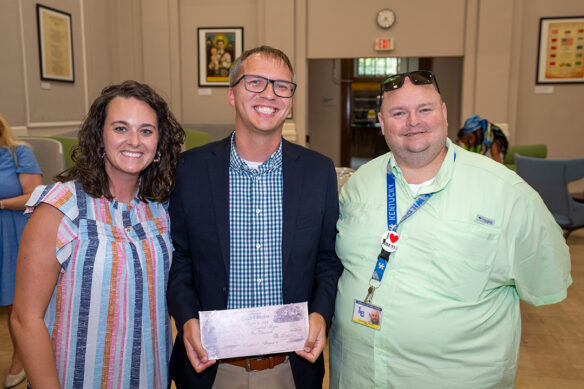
(561,50)
(55,44)
(218,49)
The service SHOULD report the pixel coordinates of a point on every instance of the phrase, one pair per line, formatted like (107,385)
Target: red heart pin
(393,237)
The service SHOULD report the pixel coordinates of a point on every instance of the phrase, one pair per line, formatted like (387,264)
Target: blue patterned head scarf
(474,123)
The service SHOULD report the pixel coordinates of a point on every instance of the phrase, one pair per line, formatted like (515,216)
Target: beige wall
(347,29)
(554,119)
(264,22)
(13,91)
(488,57)
(499,75)
(497,40)
(99,54)
(213,108)
(155,41)
(107,48)
(61,103)
(22,100)
(324,114)
(448,72)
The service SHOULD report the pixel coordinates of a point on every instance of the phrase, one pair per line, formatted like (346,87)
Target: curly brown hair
(156,181)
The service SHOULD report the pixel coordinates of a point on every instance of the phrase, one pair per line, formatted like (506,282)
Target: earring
(157,159)
(103,156)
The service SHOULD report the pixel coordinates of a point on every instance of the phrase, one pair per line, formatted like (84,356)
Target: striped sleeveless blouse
(107,318)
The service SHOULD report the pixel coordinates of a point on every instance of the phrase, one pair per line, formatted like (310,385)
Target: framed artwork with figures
(218,47)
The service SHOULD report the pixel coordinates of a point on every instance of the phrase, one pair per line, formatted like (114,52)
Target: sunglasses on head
(418,77)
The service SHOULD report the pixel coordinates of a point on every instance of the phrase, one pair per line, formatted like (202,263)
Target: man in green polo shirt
(441,244)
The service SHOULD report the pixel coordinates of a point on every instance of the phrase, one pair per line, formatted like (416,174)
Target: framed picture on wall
(561,50)
(218,48)
(55,44)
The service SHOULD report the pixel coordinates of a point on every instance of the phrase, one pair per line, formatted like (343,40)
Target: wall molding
(54,124)
(19,130)
(24,64)
(84,54)
(80,37)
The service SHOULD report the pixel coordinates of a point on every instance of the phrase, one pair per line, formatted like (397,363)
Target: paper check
(254,331)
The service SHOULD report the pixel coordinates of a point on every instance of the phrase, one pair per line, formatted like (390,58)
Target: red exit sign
(384,44)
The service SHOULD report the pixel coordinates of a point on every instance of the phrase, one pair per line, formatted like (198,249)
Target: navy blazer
(199,275)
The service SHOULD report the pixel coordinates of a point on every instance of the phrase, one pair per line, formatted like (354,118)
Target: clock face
(385,18)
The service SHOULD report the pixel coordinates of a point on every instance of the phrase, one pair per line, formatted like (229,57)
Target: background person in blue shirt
(253,224)
(19,175)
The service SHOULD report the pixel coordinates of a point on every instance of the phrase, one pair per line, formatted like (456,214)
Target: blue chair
(534,151)
(550,178)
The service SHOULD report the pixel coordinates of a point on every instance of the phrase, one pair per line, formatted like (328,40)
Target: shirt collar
(236,163)
(441,179)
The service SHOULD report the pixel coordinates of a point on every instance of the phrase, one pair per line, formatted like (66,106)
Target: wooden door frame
(346,74)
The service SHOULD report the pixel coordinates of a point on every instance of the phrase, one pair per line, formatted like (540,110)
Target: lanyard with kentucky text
(390,238)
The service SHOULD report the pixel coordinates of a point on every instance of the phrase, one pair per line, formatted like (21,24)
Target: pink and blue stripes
(108,319)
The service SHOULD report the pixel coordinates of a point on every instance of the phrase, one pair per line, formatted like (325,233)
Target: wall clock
(385,18)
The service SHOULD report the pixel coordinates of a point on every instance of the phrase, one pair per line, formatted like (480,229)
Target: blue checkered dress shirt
(255,213)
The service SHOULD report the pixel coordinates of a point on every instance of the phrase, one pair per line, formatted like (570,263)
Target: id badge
(367,314)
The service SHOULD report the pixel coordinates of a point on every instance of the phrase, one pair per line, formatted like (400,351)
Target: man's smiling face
(261,112)
(413,122)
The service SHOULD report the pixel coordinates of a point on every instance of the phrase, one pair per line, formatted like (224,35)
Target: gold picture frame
(218,49)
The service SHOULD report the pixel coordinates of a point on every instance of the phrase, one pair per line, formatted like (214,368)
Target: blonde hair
(7,139)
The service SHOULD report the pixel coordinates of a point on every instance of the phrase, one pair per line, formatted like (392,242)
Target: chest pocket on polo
(463,258)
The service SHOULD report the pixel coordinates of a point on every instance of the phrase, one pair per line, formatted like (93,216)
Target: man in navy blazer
(211,220)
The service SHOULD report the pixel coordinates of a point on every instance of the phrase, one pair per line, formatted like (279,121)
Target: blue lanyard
(392,225)
(392,198)
(392,222)
(392,203)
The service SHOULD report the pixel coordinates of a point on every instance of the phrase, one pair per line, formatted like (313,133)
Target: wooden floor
(552,345)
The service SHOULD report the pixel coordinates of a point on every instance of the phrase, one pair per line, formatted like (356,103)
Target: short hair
(267,51)
(156,180)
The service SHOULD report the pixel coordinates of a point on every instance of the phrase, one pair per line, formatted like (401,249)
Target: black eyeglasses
(418,77)
(258,84)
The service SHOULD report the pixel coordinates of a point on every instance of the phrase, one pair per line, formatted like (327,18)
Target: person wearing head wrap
(481,136)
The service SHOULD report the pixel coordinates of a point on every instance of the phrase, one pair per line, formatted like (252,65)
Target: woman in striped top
(90,303)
